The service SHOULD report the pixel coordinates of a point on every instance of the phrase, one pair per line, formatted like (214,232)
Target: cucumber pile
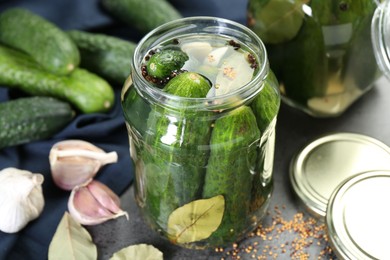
(40,60)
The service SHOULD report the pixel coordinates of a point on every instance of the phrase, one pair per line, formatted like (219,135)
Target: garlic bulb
(94,203)
(74,162)
(21,198)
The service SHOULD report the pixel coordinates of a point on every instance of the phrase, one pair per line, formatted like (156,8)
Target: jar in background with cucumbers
(200,108)
(320,51)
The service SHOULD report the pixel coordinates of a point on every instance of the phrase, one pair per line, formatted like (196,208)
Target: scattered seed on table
(307,232)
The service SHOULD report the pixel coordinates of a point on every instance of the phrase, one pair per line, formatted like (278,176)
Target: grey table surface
(369,116)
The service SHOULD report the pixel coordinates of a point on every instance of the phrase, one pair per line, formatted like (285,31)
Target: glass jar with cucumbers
(200,108)
(320,51)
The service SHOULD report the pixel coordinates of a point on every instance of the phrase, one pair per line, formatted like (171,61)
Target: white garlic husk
(73,162)
(21,198)
(93,203)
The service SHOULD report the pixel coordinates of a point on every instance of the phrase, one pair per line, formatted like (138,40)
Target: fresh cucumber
(32,118)
(144,15)
(233,154)
(173,155)
(84,90)
(107,56)
(44,41)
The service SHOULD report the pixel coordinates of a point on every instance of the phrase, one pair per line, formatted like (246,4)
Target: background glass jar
(381,36)
(203,165)
(320,51)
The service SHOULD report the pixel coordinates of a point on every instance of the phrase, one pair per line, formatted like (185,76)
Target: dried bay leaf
(71,241)
(196,220)
(141,251)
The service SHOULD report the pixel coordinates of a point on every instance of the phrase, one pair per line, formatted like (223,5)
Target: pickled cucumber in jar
(192,147)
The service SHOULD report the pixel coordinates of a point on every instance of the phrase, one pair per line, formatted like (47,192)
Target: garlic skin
(93,203)
(21,199)
(74,162)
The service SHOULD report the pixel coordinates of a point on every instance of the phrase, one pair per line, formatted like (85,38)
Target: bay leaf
(277,21)
(141,251)
(196,220)
(71,241)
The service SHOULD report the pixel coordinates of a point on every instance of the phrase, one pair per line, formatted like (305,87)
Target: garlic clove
(21,199)
(106,197)
(68,175)
(83,197)
(94,203)
(74,162)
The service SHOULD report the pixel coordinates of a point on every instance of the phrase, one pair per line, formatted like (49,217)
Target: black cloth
(106,131)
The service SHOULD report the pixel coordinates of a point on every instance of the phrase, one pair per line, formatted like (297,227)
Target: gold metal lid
(358,215)
(319,168)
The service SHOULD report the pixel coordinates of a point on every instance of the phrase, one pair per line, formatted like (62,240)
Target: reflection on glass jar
(320,51)
(202,133)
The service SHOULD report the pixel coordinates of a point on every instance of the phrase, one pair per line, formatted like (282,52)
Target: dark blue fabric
(107,131)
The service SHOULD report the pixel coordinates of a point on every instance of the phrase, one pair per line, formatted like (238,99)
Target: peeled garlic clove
(233,74)
(84,197)
(106,197)
(21,199)
(94,203)
(73,162)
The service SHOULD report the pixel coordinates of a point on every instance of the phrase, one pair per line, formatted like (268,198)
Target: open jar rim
(381,36)
(201,25)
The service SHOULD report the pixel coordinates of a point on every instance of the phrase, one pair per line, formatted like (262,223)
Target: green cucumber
(188,84)
(304,76)
(163,63)
(84,90)
(32,118)
(144,15)
(107,56)
(233,154)
(173,155)
(342,11)
(265,106)
(41,39)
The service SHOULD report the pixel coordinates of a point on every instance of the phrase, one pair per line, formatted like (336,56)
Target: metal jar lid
(357,218)
(319,168)
(380,34)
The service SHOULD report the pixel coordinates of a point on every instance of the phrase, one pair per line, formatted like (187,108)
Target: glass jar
(381,36)
(203,164)
(320,51)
